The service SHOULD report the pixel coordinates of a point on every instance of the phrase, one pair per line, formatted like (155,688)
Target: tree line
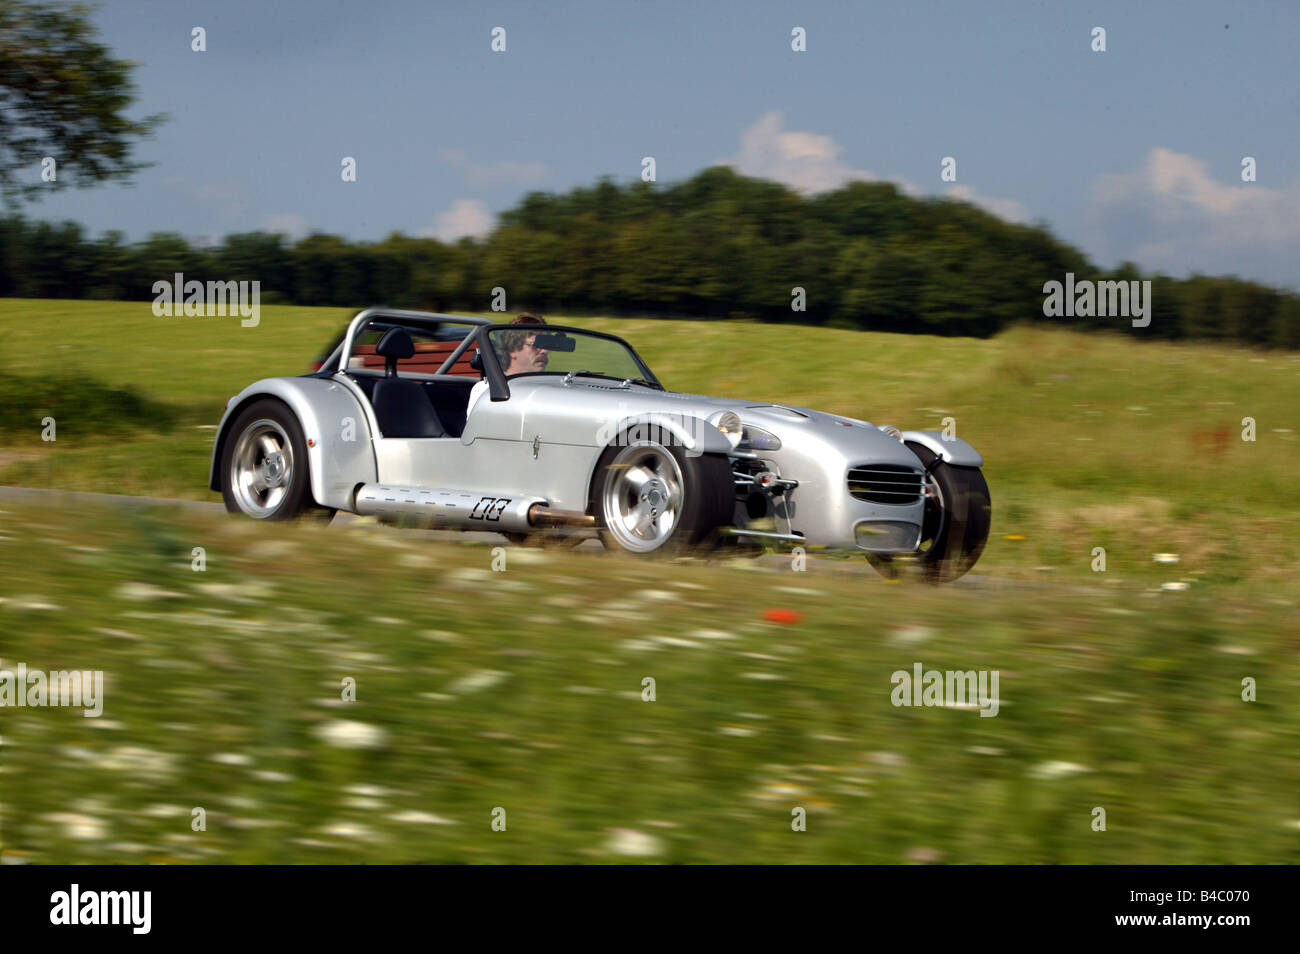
(719,245)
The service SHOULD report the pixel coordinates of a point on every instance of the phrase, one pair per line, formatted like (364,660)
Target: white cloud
(807,162)
(487,175)
(1172,215)
(465,217)
(290,224)
(1007,209)
(810,163)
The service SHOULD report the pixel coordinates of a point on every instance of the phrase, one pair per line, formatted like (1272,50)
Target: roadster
(548,434)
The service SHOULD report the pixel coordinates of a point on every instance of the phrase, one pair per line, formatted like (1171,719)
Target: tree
(62,96)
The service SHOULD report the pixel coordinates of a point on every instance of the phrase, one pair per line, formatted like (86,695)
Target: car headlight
(729,423)
(892,431)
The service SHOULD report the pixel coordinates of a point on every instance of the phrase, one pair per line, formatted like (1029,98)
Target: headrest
(395,343)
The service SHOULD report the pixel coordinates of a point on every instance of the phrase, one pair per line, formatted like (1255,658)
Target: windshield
(532,349)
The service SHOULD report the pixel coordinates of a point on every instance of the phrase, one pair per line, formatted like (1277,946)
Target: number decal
(490,508)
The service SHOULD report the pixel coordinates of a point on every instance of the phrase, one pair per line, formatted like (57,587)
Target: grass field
(1090,440)
(522,689)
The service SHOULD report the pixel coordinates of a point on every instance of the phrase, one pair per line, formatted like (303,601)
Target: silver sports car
(549,433)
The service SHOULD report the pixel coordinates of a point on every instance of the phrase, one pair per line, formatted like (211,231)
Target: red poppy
(782,615)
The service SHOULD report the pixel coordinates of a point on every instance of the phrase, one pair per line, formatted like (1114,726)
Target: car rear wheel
(264,464)
(650,498)
(958,514)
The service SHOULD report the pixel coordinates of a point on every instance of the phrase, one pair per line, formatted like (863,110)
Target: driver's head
(522,353)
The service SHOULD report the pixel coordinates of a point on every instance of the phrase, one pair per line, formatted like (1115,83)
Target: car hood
(798,426)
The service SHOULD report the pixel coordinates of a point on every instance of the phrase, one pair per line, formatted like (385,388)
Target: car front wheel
(649,497)
(958,514)
(264,464)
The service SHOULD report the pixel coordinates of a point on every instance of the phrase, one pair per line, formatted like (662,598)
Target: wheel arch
(696,435)
(340,454)
(951,450)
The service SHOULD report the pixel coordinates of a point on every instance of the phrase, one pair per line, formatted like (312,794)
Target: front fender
(951,450)
(694,434)
(340,450)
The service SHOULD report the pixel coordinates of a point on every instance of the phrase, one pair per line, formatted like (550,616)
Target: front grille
(885,483)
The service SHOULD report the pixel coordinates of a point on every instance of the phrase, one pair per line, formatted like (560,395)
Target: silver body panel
(544,442)
(337,422)
(952,450)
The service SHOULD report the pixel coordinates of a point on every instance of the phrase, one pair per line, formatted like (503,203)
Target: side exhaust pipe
(463,510)
(541,515)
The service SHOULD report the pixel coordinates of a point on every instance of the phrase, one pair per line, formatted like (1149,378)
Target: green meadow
(1090,440)
(517,692)
(355,693)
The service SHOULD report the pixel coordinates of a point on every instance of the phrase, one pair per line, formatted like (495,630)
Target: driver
(522,354)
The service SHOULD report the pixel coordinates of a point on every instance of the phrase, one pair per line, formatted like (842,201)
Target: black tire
(707,498)
(272,419)
(952,537)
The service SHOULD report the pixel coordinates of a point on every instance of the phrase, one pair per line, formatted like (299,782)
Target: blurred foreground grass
(522,690)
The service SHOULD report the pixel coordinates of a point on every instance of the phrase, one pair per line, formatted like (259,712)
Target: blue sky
(1131,153)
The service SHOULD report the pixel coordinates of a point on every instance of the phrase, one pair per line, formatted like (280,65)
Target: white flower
(420,818)
(139,592)
(910,635)
(81,827)
(633,843)
(346,734)
(232,758)
(1057,769)
(637,645)
(160,810)
(141,763)
(347,830)
(468,575)
(30,604)
(737,730)
(712,634)
(366,790)
(476,681)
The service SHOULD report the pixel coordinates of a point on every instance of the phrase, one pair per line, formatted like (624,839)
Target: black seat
(402,407)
